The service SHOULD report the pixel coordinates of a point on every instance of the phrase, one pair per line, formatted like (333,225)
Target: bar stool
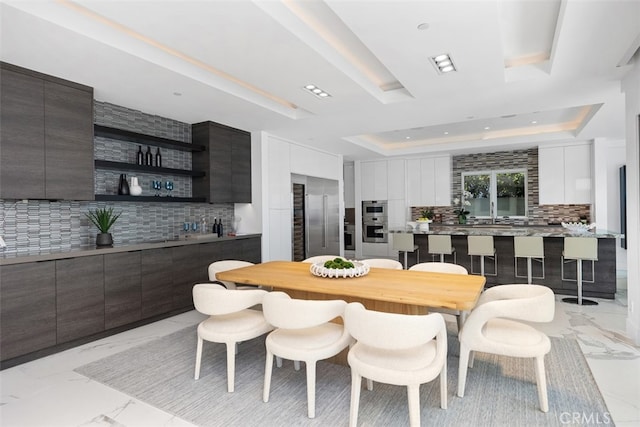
(482,246)
(579,249)
(403,242)
(529,247)
(440,244)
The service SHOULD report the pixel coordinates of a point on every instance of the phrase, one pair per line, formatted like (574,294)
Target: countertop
(49,255)
(507,230)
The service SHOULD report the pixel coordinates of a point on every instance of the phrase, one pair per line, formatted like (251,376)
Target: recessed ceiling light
(407,137)
(533,122)
(316,91)
(487,127)
(443,63)
(446,133)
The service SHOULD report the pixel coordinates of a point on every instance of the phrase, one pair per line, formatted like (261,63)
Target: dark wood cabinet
(47,305)
(79,297)
(227,159)
(187,268)
(157,281)
(68,116)
(46,141)
(21,136)
(122,289)
(27,308)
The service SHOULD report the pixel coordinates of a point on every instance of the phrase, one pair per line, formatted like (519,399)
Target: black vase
(104,239)
(123,186)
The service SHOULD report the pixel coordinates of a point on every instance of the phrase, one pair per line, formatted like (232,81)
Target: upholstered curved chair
(304,332)
(493,327)
(444,267)
(321,258)
(230,321)
(398,349)
(382,263)
(225,265)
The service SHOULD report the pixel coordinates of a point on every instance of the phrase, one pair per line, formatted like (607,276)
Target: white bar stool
(403,242)
(579,249)
(529,247)
(482,246)
(440,244)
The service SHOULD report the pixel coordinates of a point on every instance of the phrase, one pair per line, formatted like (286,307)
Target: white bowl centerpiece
(578,227)
(339,268)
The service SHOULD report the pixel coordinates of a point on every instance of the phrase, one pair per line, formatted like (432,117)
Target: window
(496,194)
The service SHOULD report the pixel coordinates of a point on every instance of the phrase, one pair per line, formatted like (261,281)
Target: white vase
(134,188)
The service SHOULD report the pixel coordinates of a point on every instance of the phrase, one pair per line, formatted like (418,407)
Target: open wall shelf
(106,164)
(139,138)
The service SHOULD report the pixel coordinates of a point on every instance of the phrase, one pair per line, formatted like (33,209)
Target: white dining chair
(449,268)
(304,332)
(230,321)
(383,263)
(397,349)
(321,258)
(226,265)
(494,326)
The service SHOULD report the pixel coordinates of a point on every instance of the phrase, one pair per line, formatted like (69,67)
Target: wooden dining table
(394,291)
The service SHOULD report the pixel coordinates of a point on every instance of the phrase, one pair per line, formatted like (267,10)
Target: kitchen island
(601,284)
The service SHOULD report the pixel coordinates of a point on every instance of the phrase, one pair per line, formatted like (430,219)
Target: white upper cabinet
(564,174)
(429,181)
(395,179)
(374,180)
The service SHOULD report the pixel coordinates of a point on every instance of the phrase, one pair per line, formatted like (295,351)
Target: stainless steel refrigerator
(321,229)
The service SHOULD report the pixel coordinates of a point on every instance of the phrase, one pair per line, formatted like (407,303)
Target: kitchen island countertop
(506,230)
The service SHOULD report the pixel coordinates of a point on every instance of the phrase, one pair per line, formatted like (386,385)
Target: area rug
(500,391)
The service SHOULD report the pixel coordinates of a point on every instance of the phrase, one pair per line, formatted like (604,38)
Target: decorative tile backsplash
(43,226)
(518,159)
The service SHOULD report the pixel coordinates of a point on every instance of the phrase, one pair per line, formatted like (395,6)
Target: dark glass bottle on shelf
(123,185)
(214,229)
(148,160)
(140,156)
(158,158)
(220,232)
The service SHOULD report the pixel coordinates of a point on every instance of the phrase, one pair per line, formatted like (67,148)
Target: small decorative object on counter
(158,158)
(426,217)
(462,212)
(203,225)
(123,185)
(135,189)
(214,230)
(103,219)
(220,230)
(140,156)
(148,159)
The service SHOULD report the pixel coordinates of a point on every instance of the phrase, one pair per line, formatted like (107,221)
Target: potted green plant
(103,219)
(426,215)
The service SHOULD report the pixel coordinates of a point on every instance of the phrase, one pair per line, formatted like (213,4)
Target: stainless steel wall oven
(374,221)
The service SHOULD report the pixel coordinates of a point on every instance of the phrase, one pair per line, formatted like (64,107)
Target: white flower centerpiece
(461,211)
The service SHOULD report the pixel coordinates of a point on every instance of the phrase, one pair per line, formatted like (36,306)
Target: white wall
(609,156)
(279,159)
(631,89)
